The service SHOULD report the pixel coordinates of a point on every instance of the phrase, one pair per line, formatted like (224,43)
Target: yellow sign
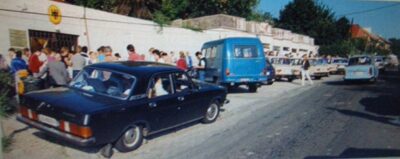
(54,14)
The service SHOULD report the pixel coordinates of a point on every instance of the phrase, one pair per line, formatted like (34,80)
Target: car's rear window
(245,51)
(280,61)
(363,60)
(104,82)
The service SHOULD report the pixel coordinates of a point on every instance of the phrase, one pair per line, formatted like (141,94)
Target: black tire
(212,113)
(270,83)
(317,77)
(125,143)
(290,79)
(252,88)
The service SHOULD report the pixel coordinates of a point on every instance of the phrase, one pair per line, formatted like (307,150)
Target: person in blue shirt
(18,63)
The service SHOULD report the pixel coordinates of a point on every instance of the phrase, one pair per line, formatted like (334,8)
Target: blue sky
(384,22)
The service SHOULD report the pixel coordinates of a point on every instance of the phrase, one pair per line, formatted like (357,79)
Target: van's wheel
(317,77)
(290,79)
(130,140)
(212,113)
(252,88)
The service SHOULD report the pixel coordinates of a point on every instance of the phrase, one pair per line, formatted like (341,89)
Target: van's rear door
(246,64)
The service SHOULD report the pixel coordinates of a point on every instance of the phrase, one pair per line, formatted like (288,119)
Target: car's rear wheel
(212,113)
(290,79)
(252,88)
(130,140)
(317,77)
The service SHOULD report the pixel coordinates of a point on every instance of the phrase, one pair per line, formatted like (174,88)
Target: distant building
(358,32)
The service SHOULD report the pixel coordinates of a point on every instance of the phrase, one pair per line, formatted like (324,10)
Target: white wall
(143,34)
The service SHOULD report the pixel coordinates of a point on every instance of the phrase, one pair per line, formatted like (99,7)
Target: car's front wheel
(130,140)
(212,113)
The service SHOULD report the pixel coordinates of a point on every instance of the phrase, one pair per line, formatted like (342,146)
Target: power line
(369,10)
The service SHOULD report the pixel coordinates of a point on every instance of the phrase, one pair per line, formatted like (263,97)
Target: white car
(318,68)
(296,63)
(337,65)
(283,68)
(379,62)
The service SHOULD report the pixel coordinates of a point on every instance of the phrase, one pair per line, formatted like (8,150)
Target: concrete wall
(110,29)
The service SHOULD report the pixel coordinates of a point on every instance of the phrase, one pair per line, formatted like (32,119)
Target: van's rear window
(242,51)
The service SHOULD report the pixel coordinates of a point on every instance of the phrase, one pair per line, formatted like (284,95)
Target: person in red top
(181,63)
(35,63)
(133,56)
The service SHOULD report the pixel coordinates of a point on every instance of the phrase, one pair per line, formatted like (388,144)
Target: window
(245,52)
(285,48)
(294,50)
(213,56)
(104,82)
(276,48)
(160,85)
(182,82)
(364,60)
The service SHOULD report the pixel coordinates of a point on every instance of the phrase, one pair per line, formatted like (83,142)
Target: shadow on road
(57,141)
(382,105)
(381,119)
(362,153)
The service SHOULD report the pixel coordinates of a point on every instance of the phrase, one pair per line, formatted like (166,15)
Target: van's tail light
(370,71)
(28,113)
(227,72)
(75,129)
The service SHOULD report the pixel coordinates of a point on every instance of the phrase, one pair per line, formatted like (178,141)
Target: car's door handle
(181,98)
(152,104)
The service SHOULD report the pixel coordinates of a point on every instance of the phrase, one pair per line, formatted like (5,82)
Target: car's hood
(70,100)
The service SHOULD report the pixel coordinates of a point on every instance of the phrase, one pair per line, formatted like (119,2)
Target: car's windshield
(340,61)
(320,62)
(362,60)
(280,61)
(104,82)
(295,61)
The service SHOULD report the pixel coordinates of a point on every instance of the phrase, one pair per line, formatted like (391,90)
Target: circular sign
(54,14)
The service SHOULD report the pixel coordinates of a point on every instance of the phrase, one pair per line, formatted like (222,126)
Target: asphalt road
(328,120)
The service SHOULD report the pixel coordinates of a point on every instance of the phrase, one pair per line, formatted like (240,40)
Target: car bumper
(358,78)
(58,134)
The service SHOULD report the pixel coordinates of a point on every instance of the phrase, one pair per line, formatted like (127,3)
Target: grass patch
(6,143)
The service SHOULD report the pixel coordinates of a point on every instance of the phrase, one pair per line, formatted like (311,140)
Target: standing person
(84,54)
(18,63)
(64,56)
(133,56)
(117,57)
(108,54)
(93,57)
(181,63)
(189,60)
(304,71)
(157,56)
(26,55)
(166,58)
(201,66)
(3,64)
(78,62)
(57,72)
(100,51)
(151,56)
(10,57)
(35,63)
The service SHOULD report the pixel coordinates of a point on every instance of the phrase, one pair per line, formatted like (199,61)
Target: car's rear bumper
(58,134)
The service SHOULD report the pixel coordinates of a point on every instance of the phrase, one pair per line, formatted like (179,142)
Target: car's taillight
(75,129)
(227,72)
(370,71)
(28,113)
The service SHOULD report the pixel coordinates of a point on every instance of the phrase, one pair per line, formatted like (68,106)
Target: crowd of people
(58,67)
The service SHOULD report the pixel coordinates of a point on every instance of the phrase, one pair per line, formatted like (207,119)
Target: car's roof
(136,67)
(355,56)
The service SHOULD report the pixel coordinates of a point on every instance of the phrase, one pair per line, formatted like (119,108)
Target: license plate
(244,79)
(358,73)
(48,120)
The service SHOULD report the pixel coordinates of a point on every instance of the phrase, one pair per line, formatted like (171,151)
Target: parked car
(319,68)
(270,72)
(232,62)
(361,67)
(119,103)
(380,63)
(337,65)
(283,68)
(296,64)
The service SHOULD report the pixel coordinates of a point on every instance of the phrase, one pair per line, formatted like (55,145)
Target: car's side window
(182,82)
(160,85)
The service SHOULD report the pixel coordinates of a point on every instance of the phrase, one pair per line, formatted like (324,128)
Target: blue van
(232,62)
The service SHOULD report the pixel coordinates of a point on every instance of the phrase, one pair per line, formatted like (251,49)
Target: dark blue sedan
(119,103)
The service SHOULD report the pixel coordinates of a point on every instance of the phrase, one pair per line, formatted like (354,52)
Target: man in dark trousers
(304,71)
